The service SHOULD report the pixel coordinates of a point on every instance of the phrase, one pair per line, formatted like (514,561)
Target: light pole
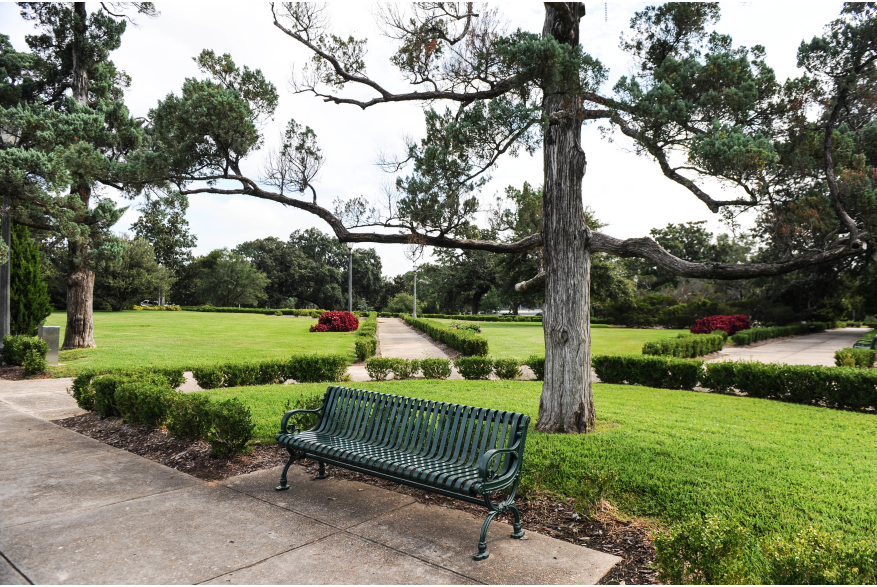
(415,292)
(350,281)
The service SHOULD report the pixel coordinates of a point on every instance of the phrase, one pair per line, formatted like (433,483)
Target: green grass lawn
(519,340)
(184,339)
(665,455)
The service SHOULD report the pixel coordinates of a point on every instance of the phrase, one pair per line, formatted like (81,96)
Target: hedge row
(839,387)
(159,308)
(149,398)
(366,342)
(26,351)
(379,368)
(853,357)
(752,335)
(265,311)
(686,346)
(465,341)
(302,368)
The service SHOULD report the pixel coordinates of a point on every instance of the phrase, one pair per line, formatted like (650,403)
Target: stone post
(52,336)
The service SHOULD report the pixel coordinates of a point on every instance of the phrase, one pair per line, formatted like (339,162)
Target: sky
(626,191)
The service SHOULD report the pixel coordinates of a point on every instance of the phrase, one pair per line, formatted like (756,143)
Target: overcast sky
(627,192)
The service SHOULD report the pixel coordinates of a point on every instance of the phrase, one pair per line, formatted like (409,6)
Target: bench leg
(322,474)
(482,544)
(283,484)
(516,526)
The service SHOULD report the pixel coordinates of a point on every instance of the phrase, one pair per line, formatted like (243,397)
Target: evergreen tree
(28,294)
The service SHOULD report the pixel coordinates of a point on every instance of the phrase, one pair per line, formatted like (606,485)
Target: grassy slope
(183,339)
(669,454)
(521,339)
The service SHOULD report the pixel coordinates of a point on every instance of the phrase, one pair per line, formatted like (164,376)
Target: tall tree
(66,130)
(28,292)
(164,226)
(697,105)
(127,279)
(232,280)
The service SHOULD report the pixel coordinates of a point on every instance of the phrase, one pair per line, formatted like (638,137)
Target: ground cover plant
(187,339)
(774,469)
(519,340)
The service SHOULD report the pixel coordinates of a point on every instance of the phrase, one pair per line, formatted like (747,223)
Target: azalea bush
(336,322)
(730,324)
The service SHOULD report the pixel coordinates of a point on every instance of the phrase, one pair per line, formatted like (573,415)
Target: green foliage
(537,364)
(470,326)
(851,357)
(703,551)
(85,383)
(507,368)
(34,362)
(144,402)
(651,371)
(403,303)
(753,335)
(379,368)
(317,368)
(163,225)
(28,294)
(404,368)
(686,347)
(464,341)
(435,368)
(474,367)
(208,377)
(302,368)
(19,348)
(233,280)
(107,401)
(366,344)
(188,416)
(125,280)
(232,427)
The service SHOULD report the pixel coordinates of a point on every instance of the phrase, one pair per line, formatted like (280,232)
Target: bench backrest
(449,433)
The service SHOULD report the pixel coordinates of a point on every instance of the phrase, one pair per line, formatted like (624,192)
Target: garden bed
(540,512)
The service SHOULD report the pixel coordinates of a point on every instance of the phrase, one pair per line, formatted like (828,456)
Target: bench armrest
(484,460)
(285,421)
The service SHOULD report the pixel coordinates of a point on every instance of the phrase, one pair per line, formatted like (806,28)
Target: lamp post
(350,280)
(415,292)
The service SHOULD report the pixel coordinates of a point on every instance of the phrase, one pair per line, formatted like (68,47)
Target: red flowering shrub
(730,324)
(336,322)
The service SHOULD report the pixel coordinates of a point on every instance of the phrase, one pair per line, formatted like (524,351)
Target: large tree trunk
(567,404)
(80,316)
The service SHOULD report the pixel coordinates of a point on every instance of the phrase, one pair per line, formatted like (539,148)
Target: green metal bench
(458,451)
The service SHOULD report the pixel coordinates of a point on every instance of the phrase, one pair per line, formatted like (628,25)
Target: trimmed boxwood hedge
(366,342)
(686,346)
(465,341)
(752,335)
(838,387)
(302,368)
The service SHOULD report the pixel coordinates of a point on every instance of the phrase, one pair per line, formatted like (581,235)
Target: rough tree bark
(80,304)
(567,404)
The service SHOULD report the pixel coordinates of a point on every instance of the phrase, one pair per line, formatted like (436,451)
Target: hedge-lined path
(75,510)
(808,349)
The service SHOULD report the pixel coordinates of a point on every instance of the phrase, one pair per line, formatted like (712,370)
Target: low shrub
(685,346)
(753,335)
(317,368)
(104,390)
(650,371)
(34,362)
(435,368)
(144,402)
(470,326)
(318,328)
(83,391)
(703,551)
(537,364)
(210,377)
(366,344)
(465,341)
(851,357)
(404,368)
(730,324)
(337,322)
(17,348)
(232,427)
(159,308)
(302,368)
(188,416)
(379,368)
(474,367)
(507,368)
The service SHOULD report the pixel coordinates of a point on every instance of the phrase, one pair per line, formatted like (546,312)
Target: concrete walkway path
(809,349)
(75,510)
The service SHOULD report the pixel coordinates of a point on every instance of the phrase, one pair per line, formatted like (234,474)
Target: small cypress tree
(28,294)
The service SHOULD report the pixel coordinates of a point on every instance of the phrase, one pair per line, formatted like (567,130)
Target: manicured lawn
(666,455)
(184,339)
(519,340)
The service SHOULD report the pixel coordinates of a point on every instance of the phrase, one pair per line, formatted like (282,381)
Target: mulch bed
(13,373)
(540,512)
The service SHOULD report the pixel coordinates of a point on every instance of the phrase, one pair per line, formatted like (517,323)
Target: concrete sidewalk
(74,510)
(809,349)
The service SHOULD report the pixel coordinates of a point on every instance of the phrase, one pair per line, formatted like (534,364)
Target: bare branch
(535,282)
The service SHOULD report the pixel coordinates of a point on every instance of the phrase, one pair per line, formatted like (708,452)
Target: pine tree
(28,294)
